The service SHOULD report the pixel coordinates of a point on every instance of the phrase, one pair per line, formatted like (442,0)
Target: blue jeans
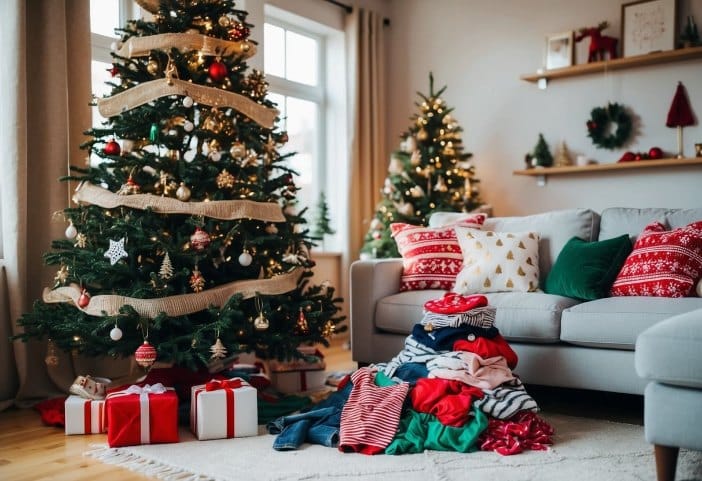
(318,425)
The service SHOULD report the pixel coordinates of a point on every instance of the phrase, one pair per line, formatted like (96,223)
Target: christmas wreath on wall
(599,127)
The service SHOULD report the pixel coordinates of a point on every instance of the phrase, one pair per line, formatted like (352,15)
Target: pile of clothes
(451,388)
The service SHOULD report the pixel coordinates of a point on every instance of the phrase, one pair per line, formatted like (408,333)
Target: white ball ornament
(188,126)
(71,231)
(245,259)
(187,102)
(116,333)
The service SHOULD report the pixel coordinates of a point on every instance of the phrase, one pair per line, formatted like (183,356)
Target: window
(303,60)
(105,17)
(292,64)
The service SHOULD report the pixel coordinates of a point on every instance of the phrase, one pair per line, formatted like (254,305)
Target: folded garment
(452,303)
(506,400)
(488,347)
(483,317)
(449,400)
(471,369)
(443,339)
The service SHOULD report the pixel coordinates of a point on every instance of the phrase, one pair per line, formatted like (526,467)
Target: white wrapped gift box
(85,416)
(224,409)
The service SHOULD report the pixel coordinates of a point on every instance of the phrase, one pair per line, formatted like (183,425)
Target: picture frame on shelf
(559,50)
(648,26)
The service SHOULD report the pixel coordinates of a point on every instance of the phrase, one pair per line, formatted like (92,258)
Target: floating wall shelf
(678,55)
(543,172)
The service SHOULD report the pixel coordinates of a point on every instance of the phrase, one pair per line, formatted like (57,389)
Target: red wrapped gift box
(142,415)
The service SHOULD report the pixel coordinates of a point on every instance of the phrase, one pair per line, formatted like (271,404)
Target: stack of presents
(451,388)
(223,407)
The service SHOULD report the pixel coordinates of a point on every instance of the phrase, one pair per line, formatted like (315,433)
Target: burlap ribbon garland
(217,209)
(179,305)
(212,96)
(141,46)
(149,5)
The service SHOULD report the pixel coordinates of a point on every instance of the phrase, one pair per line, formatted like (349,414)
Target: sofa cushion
(555,229)
(431,256)
(585,270)
(521,316)
(615,322)
(670,352)
(663,263)
(497,261)
(616,221)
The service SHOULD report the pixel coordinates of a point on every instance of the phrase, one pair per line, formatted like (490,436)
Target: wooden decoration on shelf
(680,115)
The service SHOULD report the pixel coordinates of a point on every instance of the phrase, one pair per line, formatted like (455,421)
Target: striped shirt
(483,317)
(506,400)
(371,414)
(414,351)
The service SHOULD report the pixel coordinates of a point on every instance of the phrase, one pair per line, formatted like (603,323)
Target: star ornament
(116,251)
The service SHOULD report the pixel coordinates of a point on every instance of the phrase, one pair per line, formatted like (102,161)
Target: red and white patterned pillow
(431,256)
(663,263)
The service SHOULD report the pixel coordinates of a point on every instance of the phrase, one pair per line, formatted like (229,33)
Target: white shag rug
(583,450)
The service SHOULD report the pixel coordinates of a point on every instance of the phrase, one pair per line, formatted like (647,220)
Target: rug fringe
(140,465)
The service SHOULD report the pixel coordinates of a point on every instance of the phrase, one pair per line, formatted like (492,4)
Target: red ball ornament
(145,355)
(217,71)
(655,153)
(627,157)
(112,148)
(638,156)
(239,32)
(200,239)
(84,299)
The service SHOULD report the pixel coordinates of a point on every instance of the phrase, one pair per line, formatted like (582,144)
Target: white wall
(479,49)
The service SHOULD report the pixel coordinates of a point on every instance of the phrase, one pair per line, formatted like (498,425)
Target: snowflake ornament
(116,251)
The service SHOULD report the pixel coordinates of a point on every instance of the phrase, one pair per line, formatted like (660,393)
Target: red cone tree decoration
(680,114)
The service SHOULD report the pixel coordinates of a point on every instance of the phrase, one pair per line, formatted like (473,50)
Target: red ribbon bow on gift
(215,384)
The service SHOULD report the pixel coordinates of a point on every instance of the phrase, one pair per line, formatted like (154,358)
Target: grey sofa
(560,341)
(669,356)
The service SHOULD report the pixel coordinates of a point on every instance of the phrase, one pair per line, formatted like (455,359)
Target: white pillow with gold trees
(497,261)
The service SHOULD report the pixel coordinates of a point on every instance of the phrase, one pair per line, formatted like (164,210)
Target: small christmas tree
(322,226)
(184,242)
(431,172)
(542,155)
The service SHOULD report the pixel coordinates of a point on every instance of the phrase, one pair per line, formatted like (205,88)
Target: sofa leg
(666,462)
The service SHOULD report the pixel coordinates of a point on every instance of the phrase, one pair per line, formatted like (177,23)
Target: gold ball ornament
(422,135)
(183,192)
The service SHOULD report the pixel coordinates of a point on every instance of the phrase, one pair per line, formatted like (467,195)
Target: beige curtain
(45,94)
(367,102)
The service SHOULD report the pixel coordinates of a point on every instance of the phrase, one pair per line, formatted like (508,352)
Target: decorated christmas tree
(542,155)
(183,242)
(431,172)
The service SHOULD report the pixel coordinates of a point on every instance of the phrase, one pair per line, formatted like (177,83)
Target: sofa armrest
(370,281)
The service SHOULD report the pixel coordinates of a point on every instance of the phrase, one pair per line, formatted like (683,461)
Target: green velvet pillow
(586,270)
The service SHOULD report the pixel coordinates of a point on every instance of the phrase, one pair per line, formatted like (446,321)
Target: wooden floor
(30,451)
